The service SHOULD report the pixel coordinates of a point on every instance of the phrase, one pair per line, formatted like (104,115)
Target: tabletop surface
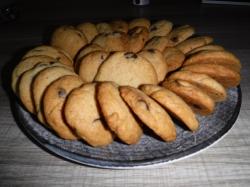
(23,163)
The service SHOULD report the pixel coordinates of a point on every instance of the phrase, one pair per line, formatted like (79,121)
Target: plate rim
(108,164)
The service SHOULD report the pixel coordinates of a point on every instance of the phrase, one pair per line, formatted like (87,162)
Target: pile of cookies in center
(102,81)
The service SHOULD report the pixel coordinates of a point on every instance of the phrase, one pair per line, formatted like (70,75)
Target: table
(23,163)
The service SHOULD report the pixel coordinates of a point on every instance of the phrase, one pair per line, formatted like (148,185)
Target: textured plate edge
(151,163)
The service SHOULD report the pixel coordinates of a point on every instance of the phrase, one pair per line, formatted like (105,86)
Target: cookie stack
(98,82)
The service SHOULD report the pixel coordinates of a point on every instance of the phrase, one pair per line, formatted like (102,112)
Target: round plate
(149,151)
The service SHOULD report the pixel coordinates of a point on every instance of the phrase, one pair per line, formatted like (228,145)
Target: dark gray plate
(149,151)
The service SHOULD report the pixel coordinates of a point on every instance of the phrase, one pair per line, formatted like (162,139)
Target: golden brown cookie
(88,49)
(173,104)
(25,82)
(160,28)
(149,112)
(156,58)
(209,47)
(119,25)
(224,58)
(179,34)
(126,68)
(104,27)
(137,38)
(139,22)
(192,43)
(88,66)
(25,65)
(53,105)
(88,29)
(157,42)
(174,58)
(225,76)
(42,80)
(82,114)
(209,85)
(192,95)
(114,41)
(69,39)
(45,50)
(117,114)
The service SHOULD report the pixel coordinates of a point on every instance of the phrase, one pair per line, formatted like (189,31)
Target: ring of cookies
(98,82)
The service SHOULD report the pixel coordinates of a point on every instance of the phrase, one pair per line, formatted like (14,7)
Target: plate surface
(149,151)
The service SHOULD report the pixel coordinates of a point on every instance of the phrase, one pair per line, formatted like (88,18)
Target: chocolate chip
(144,104)
(153,29)
(79,34)
(58,58)
(102,57)
(52,62)
(62,92)
(130,55)
(174,39)
(151,50)
(131,32)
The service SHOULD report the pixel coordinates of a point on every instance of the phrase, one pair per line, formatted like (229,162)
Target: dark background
(34,20)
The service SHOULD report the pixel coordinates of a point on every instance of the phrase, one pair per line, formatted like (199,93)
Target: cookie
(179,34)
(149,112)
(82,114)
(174,104)
(68,39)
(209,85)
(225,76)
(103,27)
(88,66)
(25,82)
(42,80)
(156,58)
(209,47)
(53,105)
(174,58)
(117,114)
(224,58)
(45,50)
(196,98)
(139,22)
(137,38)
(25,65)
(119,25)
(160,28)
(88,29)
(88,49)
(126,68)
(157,42)
(114,41)
(192,43)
